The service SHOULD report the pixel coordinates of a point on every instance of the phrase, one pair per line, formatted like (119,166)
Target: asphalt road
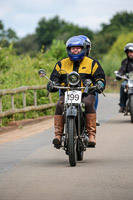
(31,169)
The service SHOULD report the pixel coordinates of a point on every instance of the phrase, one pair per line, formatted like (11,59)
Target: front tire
(131,108)
(72,141)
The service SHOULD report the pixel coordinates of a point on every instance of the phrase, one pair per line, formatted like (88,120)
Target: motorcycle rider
(126,67)
(88,68)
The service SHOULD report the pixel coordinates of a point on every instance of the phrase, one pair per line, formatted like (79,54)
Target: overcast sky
(24,15)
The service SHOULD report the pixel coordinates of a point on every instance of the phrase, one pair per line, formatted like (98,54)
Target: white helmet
(128,47)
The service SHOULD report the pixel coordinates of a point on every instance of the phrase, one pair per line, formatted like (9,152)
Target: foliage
(54,28)
(104,39)
(6,55)
(47,30)
(101,44)
(110,64)
(112,60)
(57,50)
(23,71)
(118,46)
(121,22)
(27,44)
(8,35)
(70,30)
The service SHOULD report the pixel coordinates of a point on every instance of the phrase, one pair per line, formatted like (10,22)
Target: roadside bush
(17,71)
(112,61)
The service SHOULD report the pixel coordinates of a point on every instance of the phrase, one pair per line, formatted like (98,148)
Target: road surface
(31,169)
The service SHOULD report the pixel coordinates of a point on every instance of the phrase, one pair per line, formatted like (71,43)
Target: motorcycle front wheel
(72,141)
(131,108)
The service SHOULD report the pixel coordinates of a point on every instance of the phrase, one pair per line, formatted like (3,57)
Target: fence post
(50,98)
(24,103)
(35,98)
(1,110)
(12,104)
(12,101)
(25,108)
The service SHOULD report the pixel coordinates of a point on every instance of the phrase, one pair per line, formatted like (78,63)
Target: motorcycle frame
(78,112)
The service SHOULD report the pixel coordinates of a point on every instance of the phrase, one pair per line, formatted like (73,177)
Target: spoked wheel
(72,141)
(131,108)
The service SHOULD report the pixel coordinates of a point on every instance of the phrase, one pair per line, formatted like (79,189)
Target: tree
(54,28)
(104,39)
(47,30)
(27,44)
(11,35)
(118,46)
(1,30)
(57,50)
(121,22)
(7,36)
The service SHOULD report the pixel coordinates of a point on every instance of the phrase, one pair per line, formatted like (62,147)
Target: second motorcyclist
(126,67)
(88,68)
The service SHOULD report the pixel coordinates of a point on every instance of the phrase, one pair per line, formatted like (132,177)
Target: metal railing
(25,108)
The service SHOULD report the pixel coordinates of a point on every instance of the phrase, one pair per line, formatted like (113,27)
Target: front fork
(71,111)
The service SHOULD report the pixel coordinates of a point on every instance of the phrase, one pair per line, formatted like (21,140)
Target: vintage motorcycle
(129,91)
(75,137)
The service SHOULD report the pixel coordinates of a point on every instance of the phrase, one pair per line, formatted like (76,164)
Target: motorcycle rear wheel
(131,108)
(80,155)
(80,151)
(72,141)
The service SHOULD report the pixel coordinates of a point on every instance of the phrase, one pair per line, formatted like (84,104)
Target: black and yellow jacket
(88,68)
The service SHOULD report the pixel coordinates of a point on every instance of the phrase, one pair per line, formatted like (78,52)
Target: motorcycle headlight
(73,78)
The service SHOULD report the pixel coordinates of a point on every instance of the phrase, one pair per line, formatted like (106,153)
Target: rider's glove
(87,83)
(85,93)
(50,86)
(100,86)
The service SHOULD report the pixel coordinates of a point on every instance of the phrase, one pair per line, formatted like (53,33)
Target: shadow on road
(87,162)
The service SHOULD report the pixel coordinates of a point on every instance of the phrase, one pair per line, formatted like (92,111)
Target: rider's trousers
(123,95)
(88,100)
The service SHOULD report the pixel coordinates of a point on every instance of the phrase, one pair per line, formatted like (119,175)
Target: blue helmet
(88,43)
(76,41)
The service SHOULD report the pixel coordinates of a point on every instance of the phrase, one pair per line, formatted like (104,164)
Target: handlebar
(120,76)
(72,88)
(78,88)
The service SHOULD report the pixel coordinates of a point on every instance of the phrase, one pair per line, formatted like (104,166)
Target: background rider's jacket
(126,66)
(88,68)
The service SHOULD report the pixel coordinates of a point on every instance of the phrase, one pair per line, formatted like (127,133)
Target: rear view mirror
(42,73)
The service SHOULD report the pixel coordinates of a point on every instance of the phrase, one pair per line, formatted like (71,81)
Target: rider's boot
(91,128)
(59,126)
